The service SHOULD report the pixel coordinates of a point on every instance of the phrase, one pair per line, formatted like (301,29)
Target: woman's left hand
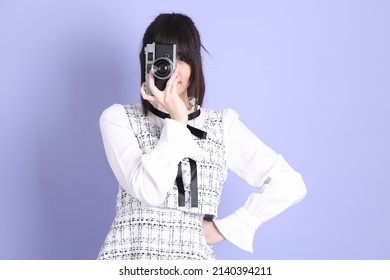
(211,233)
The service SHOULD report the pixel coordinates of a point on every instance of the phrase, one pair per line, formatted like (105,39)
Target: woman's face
(184,73)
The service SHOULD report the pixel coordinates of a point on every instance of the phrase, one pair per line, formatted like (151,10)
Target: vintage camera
(161,60)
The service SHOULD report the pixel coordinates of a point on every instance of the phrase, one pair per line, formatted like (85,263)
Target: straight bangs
(179,30)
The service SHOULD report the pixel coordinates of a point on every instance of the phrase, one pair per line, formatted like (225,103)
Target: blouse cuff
(176,140)
(239,228)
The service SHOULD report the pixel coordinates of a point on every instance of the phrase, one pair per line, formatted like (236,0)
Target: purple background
(310,78)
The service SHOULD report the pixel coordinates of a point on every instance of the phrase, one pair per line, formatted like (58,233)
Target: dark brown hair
(177,29)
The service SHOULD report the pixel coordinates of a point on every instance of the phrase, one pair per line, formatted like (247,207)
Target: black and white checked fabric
(169,231)
(156,234)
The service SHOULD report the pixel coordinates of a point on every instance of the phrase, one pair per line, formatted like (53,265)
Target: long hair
(177,29)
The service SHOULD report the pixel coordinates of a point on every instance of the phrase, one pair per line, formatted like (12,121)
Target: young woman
(171,158)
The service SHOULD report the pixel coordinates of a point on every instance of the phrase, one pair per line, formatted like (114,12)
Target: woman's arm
(147,177)
(279,186)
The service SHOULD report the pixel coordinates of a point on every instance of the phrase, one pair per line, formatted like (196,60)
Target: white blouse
(148,177)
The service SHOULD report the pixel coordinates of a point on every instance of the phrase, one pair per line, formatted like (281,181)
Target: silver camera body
(161,60)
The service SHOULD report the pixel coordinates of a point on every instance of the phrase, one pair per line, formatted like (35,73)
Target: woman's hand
(168,99)
(211,233)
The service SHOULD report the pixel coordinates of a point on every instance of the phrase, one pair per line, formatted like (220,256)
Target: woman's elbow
(149,193)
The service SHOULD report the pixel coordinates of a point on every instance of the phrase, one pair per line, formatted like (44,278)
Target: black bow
(195,131)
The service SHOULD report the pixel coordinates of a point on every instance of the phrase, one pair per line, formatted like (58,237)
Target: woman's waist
(127,203)
(160,214)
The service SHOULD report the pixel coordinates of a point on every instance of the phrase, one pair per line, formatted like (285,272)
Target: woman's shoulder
(119,111)
(226,114)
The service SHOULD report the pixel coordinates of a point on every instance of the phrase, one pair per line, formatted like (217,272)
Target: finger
(152,87)
(174,86)
(171,81)
(145,95)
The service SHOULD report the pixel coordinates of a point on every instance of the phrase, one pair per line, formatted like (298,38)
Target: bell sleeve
(277,185)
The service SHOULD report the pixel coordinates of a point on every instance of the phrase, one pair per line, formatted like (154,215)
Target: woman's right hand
(169,99)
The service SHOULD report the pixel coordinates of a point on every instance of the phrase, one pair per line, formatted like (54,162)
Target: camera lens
(162,68)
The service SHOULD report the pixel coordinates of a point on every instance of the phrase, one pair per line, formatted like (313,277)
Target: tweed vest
(211,171)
